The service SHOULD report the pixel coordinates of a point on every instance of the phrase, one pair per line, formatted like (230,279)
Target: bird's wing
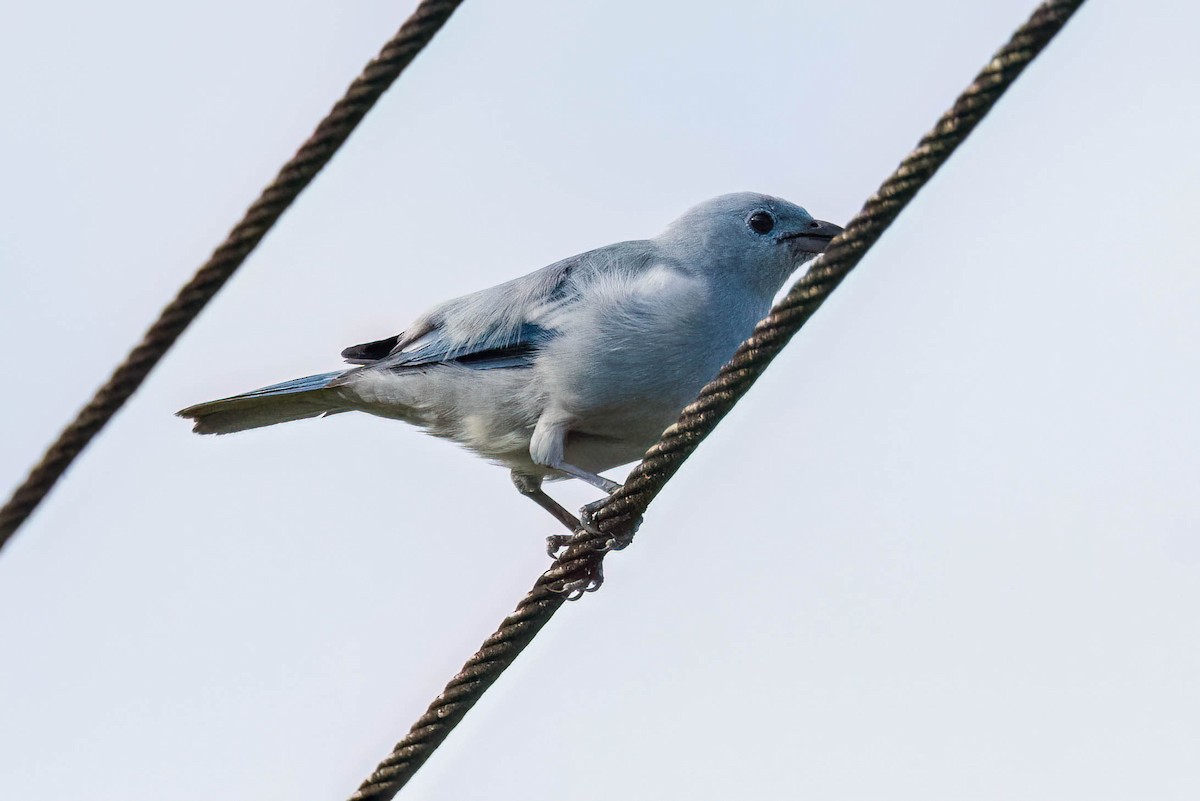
(503,326)
(498,348)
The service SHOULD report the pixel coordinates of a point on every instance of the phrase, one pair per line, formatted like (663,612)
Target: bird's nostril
(815,224)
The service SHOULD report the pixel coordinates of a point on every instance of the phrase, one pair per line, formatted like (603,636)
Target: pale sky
(947,548)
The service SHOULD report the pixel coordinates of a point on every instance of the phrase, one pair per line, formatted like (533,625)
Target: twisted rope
(313,155)
(578,567)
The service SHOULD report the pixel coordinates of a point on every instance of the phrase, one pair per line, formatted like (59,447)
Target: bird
(572,369)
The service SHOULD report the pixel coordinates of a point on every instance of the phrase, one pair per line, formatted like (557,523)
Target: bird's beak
(814,238)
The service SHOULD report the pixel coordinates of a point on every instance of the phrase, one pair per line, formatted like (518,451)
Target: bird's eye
(761,222)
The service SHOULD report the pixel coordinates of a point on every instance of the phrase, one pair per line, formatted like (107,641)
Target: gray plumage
(572,369)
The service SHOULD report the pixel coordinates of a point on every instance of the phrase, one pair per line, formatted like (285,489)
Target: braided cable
(293,177)
(578,568)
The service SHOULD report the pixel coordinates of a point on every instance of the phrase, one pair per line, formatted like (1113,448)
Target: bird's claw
(613,543)
(592,571)
(591,580)
(555,543)
(588,568)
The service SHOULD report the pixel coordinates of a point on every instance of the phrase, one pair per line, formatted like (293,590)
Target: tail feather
(310,396)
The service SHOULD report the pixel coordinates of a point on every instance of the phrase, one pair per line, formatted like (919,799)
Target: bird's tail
(310,396)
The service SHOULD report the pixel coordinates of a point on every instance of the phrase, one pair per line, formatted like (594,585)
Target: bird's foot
(586,568)
(615,542)
(590,579)
(589,567)
(555,543)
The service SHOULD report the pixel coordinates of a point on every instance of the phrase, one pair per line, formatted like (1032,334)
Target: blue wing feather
(508,349)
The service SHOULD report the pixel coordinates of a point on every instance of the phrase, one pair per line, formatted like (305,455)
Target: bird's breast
(640,348)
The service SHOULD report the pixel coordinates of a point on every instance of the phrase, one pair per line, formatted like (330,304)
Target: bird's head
(758,237)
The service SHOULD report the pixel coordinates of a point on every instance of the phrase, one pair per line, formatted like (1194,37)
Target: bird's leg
(585,513)
(547,446)
(531,487)
(599,482)
(593,573)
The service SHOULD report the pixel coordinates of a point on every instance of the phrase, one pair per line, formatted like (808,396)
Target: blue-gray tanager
(572,369)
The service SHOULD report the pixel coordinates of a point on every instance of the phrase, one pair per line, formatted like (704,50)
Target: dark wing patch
(515,350)
(519,355)
(370,351)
